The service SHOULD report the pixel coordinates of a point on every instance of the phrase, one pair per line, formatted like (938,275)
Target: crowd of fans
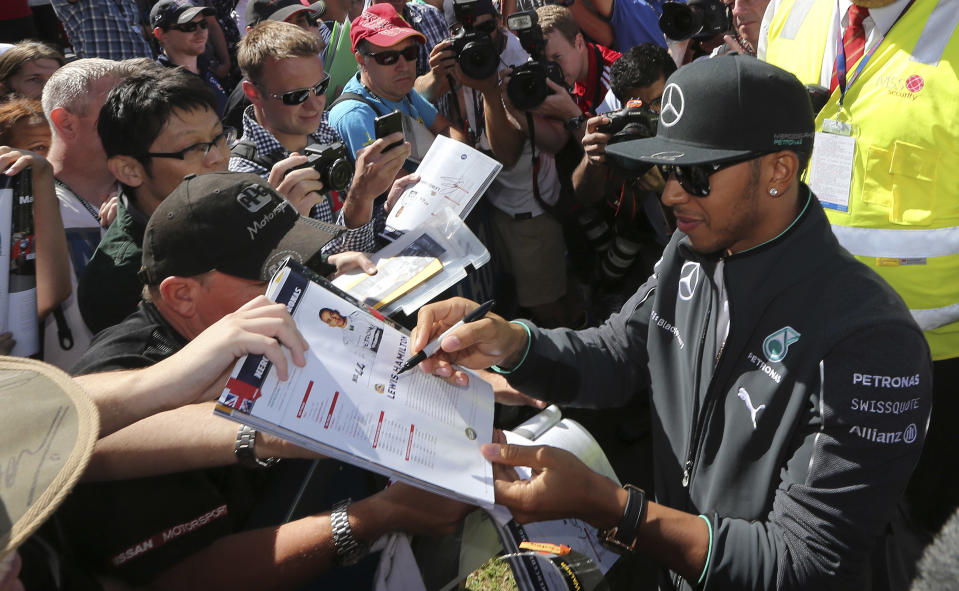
(128,114)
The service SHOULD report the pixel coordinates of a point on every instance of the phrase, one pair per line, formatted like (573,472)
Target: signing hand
(476,345)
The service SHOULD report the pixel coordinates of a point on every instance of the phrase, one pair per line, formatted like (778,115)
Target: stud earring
(774,191)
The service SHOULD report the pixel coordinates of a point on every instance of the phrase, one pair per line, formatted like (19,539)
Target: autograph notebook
(350,403)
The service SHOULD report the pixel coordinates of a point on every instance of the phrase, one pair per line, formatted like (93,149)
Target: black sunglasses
(223,139)
(388,58)
(190,26)
(694,178)
(299,96)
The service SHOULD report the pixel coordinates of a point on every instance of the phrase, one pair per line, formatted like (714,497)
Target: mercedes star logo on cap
(673,104)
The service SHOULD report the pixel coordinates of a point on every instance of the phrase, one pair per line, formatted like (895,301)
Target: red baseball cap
(381,25)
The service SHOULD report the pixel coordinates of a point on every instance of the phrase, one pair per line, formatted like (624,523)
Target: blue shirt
(635,22)
(354,119)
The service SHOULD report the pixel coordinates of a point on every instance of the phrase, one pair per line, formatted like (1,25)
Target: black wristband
(624,536)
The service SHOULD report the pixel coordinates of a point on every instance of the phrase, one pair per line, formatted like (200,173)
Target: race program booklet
(349,403)
(452,175)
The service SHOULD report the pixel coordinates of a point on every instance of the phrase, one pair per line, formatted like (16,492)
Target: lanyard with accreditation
(832,159)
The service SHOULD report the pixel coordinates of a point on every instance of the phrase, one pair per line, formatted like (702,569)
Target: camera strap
(535,161)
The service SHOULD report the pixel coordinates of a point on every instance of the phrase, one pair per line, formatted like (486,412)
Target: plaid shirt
(109,29)
(432,24)
(359,239)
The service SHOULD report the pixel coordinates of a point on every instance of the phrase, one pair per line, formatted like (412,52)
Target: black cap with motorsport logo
(167,13)
(725,108)
(231,222)
(276,10)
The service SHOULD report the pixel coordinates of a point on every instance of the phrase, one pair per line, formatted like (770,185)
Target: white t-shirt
(83,235)
(610,103)
(512,190)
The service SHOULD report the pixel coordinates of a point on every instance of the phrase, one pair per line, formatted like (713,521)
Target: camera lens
(527,88)
(478,60)
(679,22)
(339,174)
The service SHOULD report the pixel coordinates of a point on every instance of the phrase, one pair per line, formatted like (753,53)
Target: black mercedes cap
(725,108)
(167,13)
(231,222)
(275,10)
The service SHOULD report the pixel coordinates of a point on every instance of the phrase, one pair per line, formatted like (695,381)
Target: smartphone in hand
(384,125)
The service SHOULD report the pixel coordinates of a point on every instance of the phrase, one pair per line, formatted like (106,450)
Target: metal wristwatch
(245,449)
(624,536)
(348,550)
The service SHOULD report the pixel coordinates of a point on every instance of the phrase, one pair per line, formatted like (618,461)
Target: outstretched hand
(561,486)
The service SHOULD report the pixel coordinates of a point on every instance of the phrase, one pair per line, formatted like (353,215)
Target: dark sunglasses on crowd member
(190,26)
(694,178)
(299,96)
(388,58)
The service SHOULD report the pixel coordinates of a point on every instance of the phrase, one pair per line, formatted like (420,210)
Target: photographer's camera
(527,87)
(475,53)
(332,162)
(697,19)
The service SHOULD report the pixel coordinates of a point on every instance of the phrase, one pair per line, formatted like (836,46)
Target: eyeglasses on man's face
(224,139)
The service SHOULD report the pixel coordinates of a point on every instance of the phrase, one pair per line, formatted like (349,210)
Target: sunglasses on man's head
(388,58)
(299,96)
(190,26)
(694,178)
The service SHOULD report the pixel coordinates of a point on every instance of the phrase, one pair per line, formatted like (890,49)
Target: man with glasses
(386,49)
(155,129)
(286,84)
(432,64)
(790,386)
(180,27)
(294,12)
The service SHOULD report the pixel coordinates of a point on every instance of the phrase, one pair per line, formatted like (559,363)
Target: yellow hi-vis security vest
(903,216)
